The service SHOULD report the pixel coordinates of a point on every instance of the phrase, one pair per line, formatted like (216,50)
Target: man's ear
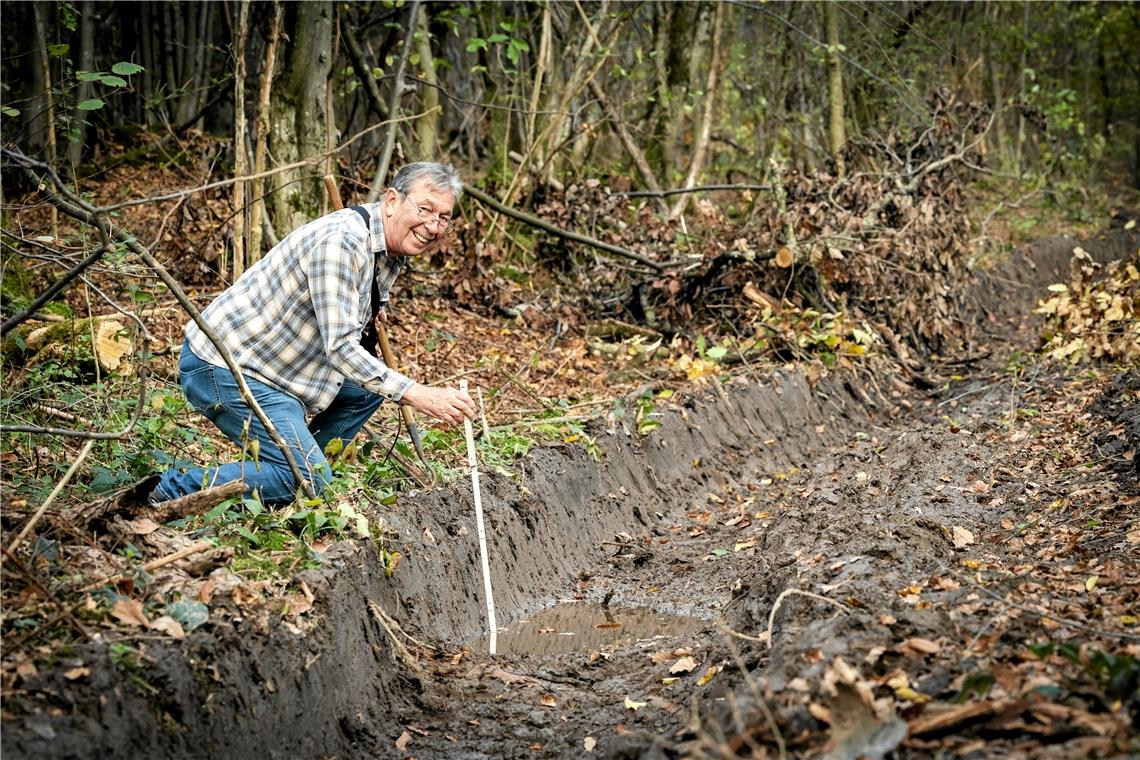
(390,200)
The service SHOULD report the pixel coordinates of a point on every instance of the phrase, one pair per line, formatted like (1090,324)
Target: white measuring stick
(479,525)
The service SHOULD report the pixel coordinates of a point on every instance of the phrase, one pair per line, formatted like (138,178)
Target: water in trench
(580,627)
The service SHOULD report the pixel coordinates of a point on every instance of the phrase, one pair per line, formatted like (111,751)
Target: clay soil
(868,564)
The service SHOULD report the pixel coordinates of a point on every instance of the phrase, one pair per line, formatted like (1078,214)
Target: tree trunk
(700,149)
(427,126)
(257,213)
(85,61)
(297,114)
(239,196)
(835,132)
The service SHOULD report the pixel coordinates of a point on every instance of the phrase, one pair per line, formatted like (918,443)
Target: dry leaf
(962,537)
(683,665)
(547,701)
(589,743)
(169,626)
(919,645)
(130,611)
(708,676)
(143,526)
(403,741)
(631,705)
(79,672)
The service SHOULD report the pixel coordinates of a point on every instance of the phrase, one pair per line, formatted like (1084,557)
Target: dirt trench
(832,487)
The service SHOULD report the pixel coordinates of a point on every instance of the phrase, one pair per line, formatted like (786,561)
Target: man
(293,323)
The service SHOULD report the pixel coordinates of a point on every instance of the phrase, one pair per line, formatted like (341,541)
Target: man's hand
(448,405)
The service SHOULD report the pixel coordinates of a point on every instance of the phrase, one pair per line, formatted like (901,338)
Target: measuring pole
(479,524)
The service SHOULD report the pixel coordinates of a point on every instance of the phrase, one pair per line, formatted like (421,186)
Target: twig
(1051,616)
(51,496)
(755,689)
(534,221)
(696,189)
(788,592)
(388,624)
(394,106)
(513,380)
(154,564)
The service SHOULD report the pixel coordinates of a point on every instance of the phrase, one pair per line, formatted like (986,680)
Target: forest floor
(767,561)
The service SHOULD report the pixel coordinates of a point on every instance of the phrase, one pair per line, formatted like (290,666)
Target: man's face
(415,224)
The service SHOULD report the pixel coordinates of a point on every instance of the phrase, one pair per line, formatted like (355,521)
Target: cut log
(77,343)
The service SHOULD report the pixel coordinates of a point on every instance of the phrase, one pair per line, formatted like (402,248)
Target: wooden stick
(154,564)
(51,496)
(479,525)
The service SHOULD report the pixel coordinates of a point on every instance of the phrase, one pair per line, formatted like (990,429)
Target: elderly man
(293,323)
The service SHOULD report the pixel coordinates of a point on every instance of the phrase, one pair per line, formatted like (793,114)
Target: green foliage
(1117,674)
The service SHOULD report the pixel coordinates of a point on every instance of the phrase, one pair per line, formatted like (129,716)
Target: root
(392,628)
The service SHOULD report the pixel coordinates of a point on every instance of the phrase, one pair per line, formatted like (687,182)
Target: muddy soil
(792,520)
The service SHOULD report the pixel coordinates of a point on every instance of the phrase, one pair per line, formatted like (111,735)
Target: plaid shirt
(293,320)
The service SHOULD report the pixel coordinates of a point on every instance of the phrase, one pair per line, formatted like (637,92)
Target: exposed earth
(869,568)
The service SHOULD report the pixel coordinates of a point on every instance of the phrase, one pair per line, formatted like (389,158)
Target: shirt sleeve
(336,267)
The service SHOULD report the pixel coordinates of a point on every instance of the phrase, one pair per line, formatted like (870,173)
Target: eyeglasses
(425,214)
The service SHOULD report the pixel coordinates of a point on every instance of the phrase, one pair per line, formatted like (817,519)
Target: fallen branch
(534,221)
(154,564)
(695,189)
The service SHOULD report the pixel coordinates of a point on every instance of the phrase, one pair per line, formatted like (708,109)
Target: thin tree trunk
(146,34)
(998,130)
(170,59)
(85,62)
(835,133)
(203,58)
(540,72)
(49,103)
(1019,147)
(239,196)
(257,212)
(627,140)
(700,149)
(297,113)
(380,180)
(427,126)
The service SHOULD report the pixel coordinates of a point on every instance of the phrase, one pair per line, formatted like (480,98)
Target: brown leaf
(77,672)
(919,645)
(683,665)
(130,611)
(547,701)
(961,537)
(143,526)
(403,741)
(169,626)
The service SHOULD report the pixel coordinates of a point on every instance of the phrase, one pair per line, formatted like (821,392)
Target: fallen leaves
(130,611)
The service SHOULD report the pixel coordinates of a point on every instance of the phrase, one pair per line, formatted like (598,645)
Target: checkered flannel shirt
(293,320)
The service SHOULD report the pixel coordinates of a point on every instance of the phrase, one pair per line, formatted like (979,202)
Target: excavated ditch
(778,483)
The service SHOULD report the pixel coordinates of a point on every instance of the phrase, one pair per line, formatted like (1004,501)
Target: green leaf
(94,104)
(58,51)
(112,81)
(89,76)
(476,43)
(189,613)
(717,352)
(720,552)
(497,37)
(9,112)
(126,68)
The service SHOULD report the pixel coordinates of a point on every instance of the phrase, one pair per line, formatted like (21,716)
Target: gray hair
(439,176)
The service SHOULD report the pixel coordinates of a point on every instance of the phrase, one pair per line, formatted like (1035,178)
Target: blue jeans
(214,392)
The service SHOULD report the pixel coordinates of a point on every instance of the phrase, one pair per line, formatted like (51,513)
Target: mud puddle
(582,627)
